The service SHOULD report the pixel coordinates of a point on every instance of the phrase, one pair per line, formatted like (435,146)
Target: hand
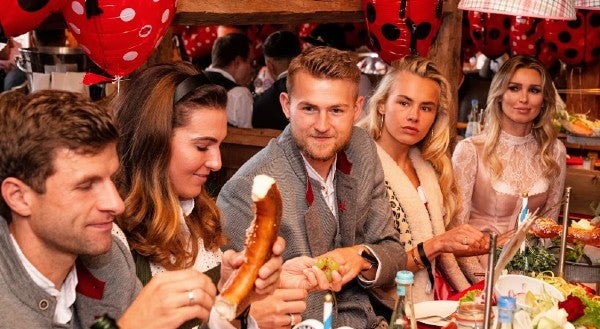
(170,299)
(350,261)
(463,240)
(274,311)
(268,275)
(301,273)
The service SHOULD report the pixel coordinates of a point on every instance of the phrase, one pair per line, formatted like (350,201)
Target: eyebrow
(304,103)
(204,139)
(412,100)
(520,84)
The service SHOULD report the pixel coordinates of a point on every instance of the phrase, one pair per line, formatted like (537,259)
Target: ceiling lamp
(587,4)
(550,9)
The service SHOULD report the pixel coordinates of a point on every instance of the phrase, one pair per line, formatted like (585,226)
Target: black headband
(188,85)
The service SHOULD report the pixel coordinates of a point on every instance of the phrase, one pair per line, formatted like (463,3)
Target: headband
(188,85)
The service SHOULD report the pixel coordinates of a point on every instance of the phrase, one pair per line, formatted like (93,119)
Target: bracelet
(425,261)
(415,259)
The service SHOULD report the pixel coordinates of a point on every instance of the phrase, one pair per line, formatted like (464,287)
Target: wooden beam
(193,12)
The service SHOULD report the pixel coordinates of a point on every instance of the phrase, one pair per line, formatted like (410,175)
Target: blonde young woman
(408,118)
(517,153)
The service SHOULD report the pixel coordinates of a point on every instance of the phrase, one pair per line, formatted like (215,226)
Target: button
(43,305)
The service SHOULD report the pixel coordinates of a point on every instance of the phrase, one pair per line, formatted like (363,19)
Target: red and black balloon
(576,42)
(401,27)
(490,33)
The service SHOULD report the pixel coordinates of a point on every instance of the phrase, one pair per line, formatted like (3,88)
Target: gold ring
(465,241)
(292,319)
(191,296)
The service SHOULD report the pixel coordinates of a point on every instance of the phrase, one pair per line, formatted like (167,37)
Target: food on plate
(532,259)
(260,237)
(327,265)
(581,230)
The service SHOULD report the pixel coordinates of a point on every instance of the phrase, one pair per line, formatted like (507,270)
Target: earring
(381,121)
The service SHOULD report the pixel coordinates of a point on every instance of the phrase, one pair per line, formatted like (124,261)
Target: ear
(17,196)
(270,67)
(358,107)
(284,99)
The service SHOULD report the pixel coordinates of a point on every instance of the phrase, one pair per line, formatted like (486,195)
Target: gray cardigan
(309,227)
(106,284)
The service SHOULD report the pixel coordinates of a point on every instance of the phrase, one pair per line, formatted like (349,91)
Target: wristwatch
(366,255)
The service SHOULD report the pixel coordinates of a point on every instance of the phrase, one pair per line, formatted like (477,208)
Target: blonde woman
(517,153)
(408,118)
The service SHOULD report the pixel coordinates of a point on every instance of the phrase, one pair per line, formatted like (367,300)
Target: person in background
(517,153)
(172,120)
(13,76)
(333,192)
(60,266)
(409,120)
(279,49)
(232,68)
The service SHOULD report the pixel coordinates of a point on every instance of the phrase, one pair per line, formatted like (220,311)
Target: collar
(282,74)
(340,163)
(65,297)
(223,72)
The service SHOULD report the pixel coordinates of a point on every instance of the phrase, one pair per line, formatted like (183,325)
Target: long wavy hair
(434,147)
(146,118)
(543,130)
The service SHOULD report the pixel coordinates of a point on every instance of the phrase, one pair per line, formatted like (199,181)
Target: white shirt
(65,297)
(239,102)
(327,186)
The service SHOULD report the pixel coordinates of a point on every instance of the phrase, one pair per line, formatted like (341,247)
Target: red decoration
(490,33)
(526,35)
(568,38)
(122,34)
(198,40)
(398,28)
(20,16)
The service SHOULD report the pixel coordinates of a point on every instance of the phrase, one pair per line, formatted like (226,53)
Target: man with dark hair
(279,49)
(232,68)
(60,266)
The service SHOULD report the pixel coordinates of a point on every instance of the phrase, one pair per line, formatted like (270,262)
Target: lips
(102,225)
(410,130)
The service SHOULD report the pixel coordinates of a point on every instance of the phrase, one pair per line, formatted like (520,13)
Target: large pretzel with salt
(260,237)
(548,228)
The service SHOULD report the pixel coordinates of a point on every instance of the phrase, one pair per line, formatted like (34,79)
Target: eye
(403,103)
(202,148)
(514,88)
(535,90)
(308,108)
(337,110)
(85,186)
(426,108)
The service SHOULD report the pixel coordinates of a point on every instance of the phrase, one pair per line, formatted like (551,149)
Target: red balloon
(123,35)
(490,33)
(592,36)
(304,31)
(468,47)
(398,28)
(198,40)
(568,38)
(21,16)
(526,35)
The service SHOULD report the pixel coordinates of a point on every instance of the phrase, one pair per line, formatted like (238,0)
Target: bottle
(105,322)
(403,316)
(473,119)
(506,309)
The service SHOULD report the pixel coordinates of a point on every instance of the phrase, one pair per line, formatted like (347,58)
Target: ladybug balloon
(592,36)
(490,33)
(119,35)
(568,37)
(20,16)
(401,27)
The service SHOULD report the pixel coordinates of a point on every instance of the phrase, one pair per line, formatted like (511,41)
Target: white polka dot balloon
(123,35)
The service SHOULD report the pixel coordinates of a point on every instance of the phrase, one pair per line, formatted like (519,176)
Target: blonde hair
(542,130)
(434,147)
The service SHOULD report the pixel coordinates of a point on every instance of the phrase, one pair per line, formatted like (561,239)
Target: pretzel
(548,228)
(260,237)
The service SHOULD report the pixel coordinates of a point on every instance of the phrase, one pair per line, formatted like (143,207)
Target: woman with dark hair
(517,153)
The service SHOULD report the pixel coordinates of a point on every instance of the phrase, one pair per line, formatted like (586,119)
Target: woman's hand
(170,299)
(463,240)
(268,275)
(279,309)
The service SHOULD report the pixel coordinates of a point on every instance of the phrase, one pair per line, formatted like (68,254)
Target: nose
(322,123)
(523,97)
(413,114)
(214,163)
(111,200)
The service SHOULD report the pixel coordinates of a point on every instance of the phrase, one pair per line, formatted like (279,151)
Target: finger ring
(465,242)
(191,296)
(292,320)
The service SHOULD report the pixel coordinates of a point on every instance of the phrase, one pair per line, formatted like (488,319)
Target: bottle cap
(404,277)
(507,302)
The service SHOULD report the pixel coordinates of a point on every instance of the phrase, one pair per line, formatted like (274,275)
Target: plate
(518,285)
(425,310)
